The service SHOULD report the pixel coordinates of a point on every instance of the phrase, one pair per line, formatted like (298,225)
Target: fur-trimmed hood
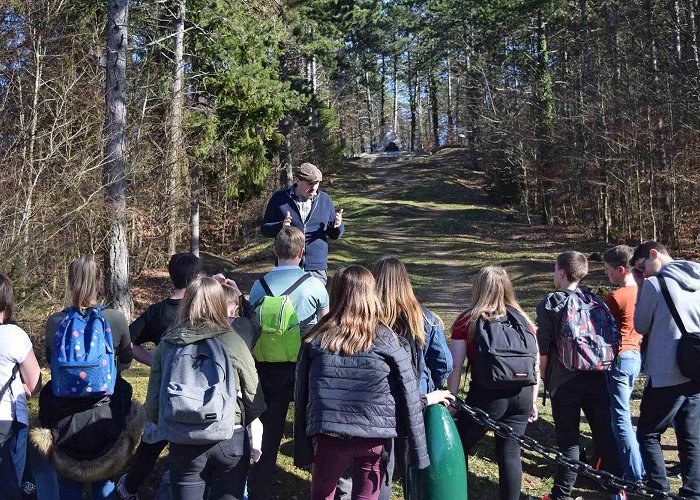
(98,469)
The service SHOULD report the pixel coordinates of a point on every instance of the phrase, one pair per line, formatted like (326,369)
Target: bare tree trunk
(693,31)
(677,30)
(30,158)
(370,112)
(396,94)
(287,174)
(450,118)
(195,179)
(434,114)
(419,114)
(382,104)
(174,153)
(412,98)
(115,161)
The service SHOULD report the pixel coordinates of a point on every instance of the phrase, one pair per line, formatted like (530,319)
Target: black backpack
(506,353)
(688,350)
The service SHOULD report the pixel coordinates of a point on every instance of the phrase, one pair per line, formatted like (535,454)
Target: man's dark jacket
(317,228)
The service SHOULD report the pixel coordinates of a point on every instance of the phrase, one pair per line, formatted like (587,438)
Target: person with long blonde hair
(493,308)
(422,332)
(402,312)
(354,387)
(96,439)
(223,466)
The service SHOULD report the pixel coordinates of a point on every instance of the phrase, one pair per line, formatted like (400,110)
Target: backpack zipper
(279,318)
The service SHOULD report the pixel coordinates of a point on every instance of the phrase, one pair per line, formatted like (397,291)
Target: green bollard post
(446,478)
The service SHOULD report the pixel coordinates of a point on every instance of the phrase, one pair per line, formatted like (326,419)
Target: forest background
(135,129)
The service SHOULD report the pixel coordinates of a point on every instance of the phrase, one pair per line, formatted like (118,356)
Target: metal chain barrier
(555,457)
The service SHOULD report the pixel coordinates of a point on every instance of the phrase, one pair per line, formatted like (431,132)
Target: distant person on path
(577,380)
(672,391)
(276,352)
(355,387)
(628,363)
(494,310)
(310,210)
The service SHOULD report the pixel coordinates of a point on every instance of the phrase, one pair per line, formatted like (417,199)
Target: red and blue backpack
(589,337)
(82,355)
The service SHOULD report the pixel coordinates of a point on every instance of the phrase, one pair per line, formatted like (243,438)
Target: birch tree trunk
(195,180)
(115,162)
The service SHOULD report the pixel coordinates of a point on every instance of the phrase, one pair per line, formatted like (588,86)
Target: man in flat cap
(312,211)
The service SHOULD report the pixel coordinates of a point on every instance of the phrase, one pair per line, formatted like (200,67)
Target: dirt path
(436,216)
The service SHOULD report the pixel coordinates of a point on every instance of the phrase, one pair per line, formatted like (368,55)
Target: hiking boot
(122,492)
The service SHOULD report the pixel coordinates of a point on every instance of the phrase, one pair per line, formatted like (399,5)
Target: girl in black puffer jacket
(355,391)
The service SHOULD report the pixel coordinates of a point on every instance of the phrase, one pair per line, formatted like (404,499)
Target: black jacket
(371,394)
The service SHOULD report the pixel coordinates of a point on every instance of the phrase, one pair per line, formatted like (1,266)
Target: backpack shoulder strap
(671,305)
(8,384)
(296,284)
(266,287)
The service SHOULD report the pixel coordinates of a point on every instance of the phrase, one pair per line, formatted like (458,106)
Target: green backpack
(280,340)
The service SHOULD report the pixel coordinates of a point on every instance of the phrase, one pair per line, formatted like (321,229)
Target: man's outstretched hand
(338,218)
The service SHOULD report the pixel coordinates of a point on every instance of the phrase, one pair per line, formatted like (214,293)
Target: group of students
(360,365)
(591,351)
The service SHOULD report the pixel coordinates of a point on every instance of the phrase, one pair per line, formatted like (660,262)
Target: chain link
(554,456)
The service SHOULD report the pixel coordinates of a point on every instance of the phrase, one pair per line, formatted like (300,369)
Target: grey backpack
(197,394)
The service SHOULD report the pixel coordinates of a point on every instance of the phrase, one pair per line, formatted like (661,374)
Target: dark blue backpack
(82,356)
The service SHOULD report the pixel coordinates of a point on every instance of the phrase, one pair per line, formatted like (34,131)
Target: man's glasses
(641,266)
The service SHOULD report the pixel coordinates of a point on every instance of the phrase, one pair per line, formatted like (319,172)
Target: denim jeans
(45,476)
(677,405)
(621,378)
(9,486)
(588,391)
(19,454)
(72,490)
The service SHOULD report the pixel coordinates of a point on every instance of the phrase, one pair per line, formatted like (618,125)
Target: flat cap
(309,172)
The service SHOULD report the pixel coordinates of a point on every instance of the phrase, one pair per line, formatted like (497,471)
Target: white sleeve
(20,345)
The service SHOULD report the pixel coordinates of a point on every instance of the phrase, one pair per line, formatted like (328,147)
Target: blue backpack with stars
(82,355)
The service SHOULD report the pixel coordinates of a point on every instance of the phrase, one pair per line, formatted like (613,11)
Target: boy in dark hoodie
(572,391)
(669,397)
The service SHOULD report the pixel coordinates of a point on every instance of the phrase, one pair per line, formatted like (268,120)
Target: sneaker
(28,490)
(122,492)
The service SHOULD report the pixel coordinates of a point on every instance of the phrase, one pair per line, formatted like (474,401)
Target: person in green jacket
(222,466)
